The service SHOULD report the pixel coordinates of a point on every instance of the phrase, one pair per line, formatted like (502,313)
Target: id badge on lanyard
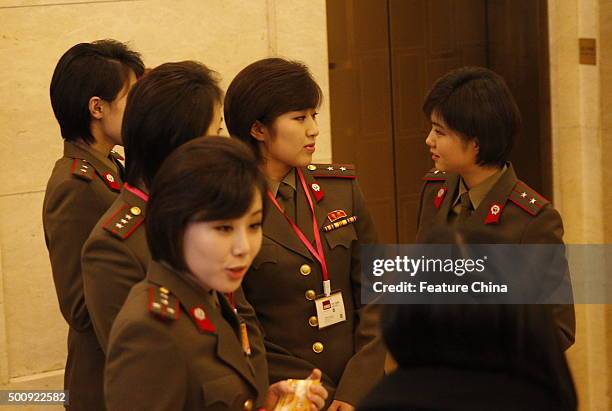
(330,306)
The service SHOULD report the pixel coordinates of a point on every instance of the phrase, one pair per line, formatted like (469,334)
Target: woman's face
(290,140)
(448,151)
(216,124)
(113,112)
(218,253)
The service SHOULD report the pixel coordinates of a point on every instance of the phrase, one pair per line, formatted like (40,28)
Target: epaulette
(82,169)
(162,304)
(435,175)
(527,198)
(124,222)
(117,156)
(332,170)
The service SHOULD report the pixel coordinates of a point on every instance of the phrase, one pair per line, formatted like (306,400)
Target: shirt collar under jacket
(289,180)
(479,191)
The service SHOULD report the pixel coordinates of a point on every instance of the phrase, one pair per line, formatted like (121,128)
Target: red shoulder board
(162,304)
(82,169)
(332,170)
(124,222)
(527,198)
(435,175)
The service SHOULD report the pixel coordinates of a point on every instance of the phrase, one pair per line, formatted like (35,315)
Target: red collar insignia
(202,320)
(440,196)
(494,214)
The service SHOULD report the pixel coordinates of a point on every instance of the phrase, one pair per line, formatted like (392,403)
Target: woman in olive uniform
(305,283)
(88,92)
(174,103)
(474,190)
(178,343)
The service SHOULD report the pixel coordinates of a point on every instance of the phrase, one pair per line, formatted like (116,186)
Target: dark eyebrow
(437,124)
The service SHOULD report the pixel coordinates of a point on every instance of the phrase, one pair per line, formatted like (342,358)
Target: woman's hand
(340,406)
(316,395)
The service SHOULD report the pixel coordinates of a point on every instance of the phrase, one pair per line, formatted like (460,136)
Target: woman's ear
(95,107)
(259,131)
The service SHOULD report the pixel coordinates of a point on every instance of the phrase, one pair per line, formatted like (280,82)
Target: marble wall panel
(223,34)
(36,332)
(301,34)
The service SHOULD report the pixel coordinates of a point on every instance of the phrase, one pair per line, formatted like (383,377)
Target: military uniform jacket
(284,276)
(115,257)
(79,191)
(511,213)
(181,354)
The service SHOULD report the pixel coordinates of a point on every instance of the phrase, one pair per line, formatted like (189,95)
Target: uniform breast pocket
(343,236)
(224,393)
(267,254)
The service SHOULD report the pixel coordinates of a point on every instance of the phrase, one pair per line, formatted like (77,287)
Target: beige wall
(581,123)
(224,34)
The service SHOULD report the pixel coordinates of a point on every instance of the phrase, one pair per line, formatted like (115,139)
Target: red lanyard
(137,192)
(318,254)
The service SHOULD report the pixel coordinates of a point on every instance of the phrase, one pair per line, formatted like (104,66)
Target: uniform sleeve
(110,270)
(144,369)
(547,228)
(369,356)
(69,216)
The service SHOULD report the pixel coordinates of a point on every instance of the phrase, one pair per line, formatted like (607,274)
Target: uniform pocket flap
(343,236)
(222,393)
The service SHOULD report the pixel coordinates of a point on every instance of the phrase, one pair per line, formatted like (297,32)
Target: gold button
(317,347)
(312,167)
(305,269)
(135,210)
(248,405)
(313,321)
(310,295)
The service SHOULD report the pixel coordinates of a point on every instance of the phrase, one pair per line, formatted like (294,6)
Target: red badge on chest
(202,320)
(440,197)
(494,214)
(336,215)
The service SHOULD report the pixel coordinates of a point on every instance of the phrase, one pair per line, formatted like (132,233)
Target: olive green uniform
(176,346)
(115,257)
(506,211)
(82,186)
(285,277)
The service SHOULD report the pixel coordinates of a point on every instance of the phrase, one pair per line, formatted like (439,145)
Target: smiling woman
(313,231)
(181,322)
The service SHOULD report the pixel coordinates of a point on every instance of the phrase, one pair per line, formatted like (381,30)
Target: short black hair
(207,179)
(264,90)
(101,69)
(174,103)
(521,340)
(477,103)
